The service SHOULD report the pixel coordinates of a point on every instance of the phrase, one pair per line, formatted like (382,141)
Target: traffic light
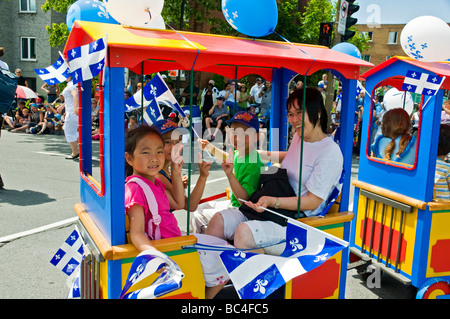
(326,30)
(346,20)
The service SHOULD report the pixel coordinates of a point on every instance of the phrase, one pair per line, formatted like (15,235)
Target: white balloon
(157,23)
(394,98)
(135,13)
(426,39)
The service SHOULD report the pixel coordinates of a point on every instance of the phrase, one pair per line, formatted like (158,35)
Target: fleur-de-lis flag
(255,276)
(87,61)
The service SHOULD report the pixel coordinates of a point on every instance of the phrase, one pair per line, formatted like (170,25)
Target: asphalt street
(37,215)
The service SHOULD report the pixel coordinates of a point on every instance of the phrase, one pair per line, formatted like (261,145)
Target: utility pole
(330,93)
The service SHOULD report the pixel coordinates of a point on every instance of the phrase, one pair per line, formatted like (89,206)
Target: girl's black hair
(132,139)
(314,106)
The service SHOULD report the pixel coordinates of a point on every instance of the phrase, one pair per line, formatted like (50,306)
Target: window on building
(392,37)
(27,5)
(366,57)
(368,35)
(28,49)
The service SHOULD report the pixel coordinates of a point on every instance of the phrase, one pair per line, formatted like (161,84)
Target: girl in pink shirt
(144,156)
(152,219)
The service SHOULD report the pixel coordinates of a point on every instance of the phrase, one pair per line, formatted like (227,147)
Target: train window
(393,129)
(91,152)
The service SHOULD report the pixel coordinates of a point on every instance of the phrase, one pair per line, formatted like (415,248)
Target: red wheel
(434,288)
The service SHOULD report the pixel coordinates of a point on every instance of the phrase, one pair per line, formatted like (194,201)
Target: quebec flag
(158,90)
(152,113)
(56,73)
(147,263)
(255,276)
(87,61)
(70,254)
(422,83)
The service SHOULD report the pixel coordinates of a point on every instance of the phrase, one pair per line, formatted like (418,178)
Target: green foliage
(57,5)
(58,34)
(316,12)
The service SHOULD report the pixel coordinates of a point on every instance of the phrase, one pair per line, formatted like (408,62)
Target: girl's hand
(177,159)
(185,180)
(203,166)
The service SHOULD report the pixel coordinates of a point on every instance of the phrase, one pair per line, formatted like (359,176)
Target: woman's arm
(308,202)
(74,94)
(272,156)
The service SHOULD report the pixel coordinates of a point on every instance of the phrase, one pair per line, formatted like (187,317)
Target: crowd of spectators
(215,106)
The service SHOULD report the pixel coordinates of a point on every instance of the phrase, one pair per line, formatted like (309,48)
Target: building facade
(384,42)
(24,37)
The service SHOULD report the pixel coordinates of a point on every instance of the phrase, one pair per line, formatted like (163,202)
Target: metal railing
(390,208)
(90,267)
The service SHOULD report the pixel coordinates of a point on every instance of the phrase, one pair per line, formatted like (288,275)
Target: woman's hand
(264,201)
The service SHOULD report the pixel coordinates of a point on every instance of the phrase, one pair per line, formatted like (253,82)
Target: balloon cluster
(426,39)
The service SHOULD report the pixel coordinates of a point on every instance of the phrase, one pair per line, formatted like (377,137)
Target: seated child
(243,173)
(442,175)
(151,218)
(396,143)
(166,128)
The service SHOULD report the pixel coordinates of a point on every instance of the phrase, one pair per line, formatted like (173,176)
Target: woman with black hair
(322,165)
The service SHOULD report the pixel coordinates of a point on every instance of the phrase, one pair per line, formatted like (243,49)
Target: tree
(58,33)
(316,12)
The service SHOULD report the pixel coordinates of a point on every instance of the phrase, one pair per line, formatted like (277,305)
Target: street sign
(342,17)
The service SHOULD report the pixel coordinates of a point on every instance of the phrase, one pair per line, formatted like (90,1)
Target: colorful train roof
(139,49)
(439,68)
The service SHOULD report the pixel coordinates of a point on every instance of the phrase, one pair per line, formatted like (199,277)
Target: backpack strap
(152,206)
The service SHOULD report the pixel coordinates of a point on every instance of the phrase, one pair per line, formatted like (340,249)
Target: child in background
(144,157)
(133,122)
(396,142)
(166,128)
(442,175)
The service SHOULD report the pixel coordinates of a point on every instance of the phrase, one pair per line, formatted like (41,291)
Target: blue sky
(400,11)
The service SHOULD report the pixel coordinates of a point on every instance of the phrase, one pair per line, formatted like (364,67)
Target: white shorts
(214,271)
(265,233)
(71,127)
(200,218)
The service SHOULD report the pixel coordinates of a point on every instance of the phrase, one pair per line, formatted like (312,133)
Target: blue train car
(399,227)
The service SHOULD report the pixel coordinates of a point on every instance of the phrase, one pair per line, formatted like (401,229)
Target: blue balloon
(85,10)
(347,48)
(255,18)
